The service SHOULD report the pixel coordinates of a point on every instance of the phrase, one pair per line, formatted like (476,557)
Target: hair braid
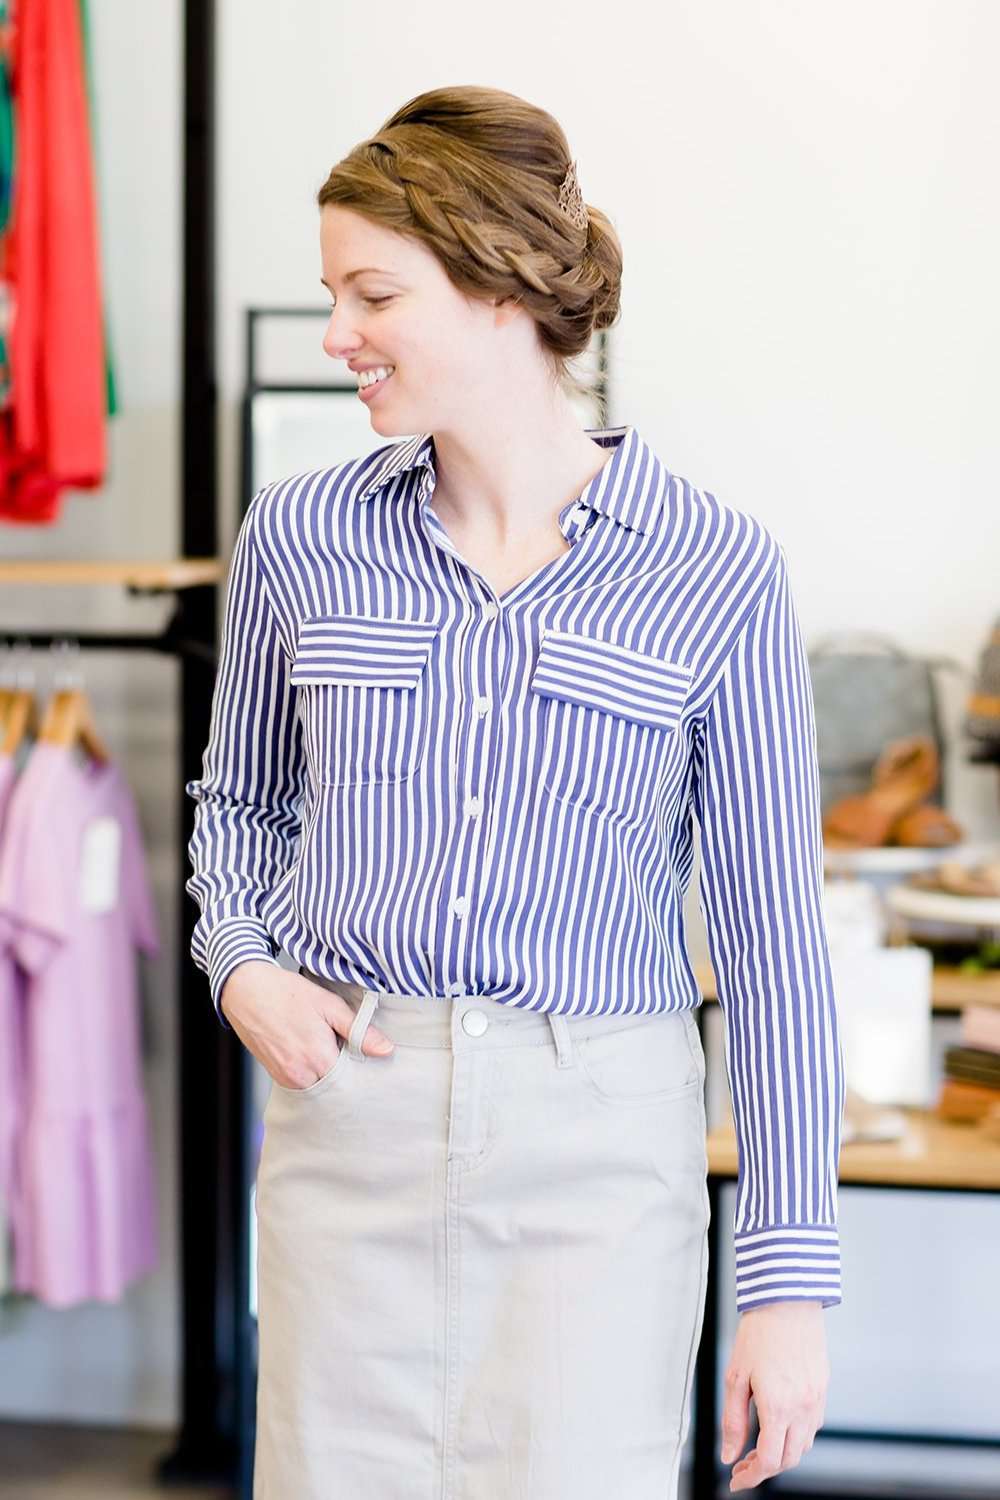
(477,175)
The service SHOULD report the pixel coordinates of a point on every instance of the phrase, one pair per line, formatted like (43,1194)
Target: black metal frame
(708,1473)
(255,387)
(210,1077)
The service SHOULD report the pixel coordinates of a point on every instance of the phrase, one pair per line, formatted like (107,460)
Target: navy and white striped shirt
(415,785)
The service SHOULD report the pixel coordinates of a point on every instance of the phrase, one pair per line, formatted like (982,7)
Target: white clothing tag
(99,865)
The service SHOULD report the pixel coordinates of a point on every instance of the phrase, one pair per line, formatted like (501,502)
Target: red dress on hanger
(53,435)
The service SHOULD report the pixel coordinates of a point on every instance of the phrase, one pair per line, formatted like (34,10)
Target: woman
(472,687)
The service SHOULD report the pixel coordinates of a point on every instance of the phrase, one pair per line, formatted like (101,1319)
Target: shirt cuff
(234,941)
(791,1262)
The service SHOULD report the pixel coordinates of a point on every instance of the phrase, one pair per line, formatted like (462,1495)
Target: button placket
(472,804)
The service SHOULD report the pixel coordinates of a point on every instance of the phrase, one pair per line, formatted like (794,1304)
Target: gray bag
(981,722)
(864,699)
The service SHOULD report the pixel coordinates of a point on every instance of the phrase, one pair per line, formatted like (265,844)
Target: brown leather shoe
(905,774)
(926,827)
(916,755)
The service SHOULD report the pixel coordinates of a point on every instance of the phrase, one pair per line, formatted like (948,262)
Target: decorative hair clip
(571,199)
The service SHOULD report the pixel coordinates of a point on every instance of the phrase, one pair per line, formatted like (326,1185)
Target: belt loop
(359,1025)
(564,1047)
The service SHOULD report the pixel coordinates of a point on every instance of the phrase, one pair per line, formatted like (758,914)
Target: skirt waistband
(440,1021)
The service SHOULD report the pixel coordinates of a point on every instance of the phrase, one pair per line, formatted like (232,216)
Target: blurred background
(806,200)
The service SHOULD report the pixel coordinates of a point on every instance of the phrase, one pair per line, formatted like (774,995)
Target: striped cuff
(234,941)
(791,1262)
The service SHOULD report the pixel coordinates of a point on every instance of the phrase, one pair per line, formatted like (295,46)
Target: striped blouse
(418,786)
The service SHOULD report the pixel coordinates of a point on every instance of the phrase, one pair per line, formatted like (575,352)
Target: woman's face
(449,351)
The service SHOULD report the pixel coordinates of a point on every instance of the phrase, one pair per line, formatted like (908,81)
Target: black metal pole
(207,1098)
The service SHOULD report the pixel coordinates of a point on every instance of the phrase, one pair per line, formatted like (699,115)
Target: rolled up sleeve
(756,796)
(247,820)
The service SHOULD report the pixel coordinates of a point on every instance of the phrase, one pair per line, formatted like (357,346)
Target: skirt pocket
(650,1063)
(325,1080)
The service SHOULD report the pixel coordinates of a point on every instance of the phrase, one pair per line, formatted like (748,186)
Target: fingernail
(381,1043)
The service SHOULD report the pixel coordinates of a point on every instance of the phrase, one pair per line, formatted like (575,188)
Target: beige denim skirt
(482,1260)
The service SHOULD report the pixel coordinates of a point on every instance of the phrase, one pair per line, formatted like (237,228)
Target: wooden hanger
(69,720)
(18,717)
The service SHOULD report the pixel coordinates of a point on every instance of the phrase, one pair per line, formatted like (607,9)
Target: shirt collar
(630,489)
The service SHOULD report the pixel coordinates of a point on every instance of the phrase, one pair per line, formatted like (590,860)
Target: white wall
(804,196)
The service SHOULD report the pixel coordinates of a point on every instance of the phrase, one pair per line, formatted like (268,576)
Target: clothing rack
(210,1077)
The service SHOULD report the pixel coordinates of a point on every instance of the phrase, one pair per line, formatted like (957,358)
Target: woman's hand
(779,1357)
(290,1024)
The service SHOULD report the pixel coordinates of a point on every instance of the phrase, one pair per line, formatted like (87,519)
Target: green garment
(112,395)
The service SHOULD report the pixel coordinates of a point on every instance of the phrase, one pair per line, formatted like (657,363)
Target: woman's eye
(373,300)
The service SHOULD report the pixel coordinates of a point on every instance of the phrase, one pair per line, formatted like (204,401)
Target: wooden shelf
(932,1153)
(951,989)
(171,574)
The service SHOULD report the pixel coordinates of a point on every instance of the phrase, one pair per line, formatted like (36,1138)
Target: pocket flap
(576,668)
(361,651)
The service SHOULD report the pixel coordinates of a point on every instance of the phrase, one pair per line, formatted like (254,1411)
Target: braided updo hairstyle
(474,173)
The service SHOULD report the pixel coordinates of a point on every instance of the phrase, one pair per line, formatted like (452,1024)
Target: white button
(578,513)
(474,1022)
(482,706)
(457,988)
(490,611)
(473,806)
(460,905)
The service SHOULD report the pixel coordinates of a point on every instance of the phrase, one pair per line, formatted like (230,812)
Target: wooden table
(934,1154)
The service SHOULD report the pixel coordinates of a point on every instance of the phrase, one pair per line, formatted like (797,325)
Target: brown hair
(474,173)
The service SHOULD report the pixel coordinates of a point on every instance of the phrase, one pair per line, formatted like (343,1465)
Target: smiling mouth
(369,378)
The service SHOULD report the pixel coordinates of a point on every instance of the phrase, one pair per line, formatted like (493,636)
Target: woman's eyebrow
(359,272)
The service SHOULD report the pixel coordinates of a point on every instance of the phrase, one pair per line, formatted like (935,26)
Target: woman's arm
(756,797)
(247,820)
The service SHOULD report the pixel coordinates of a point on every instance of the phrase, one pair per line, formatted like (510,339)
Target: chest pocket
(364,695)
(610,722)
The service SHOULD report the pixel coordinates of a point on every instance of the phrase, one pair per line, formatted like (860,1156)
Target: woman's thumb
(375,1040)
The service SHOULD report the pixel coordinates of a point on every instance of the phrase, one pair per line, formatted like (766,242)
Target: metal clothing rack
(206,1446)
(209,1076)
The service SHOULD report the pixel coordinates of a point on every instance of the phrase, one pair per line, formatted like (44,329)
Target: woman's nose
(336,347)
(336,339)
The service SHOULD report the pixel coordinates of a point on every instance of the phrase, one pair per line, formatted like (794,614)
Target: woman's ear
(505,308)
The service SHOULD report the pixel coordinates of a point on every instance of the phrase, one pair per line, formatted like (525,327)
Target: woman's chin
(386,419)
(386,424)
